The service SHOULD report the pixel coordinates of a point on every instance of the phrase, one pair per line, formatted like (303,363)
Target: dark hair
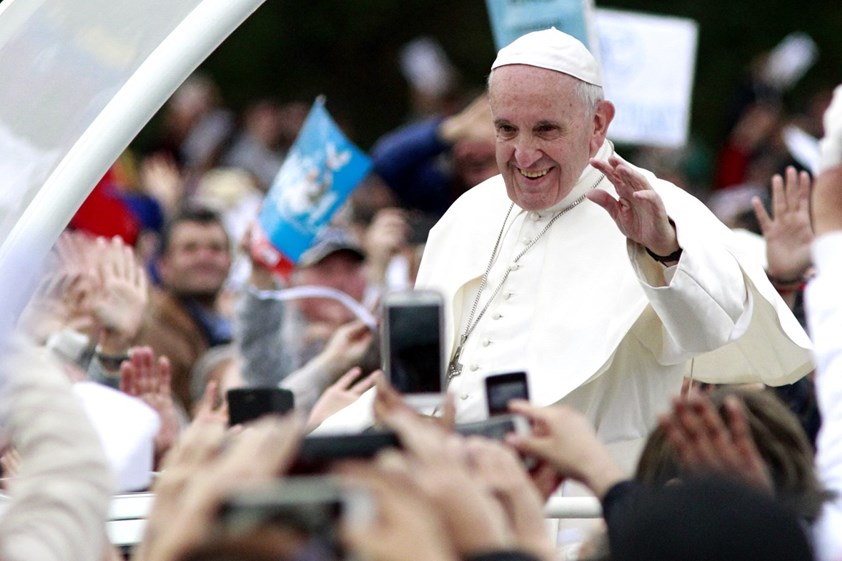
(779,438)
(707,519)
(199,215)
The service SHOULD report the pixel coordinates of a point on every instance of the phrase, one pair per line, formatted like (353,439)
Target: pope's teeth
(533,174)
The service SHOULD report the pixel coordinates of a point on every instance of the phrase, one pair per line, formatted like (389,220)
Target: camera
(317,452)
(248,404)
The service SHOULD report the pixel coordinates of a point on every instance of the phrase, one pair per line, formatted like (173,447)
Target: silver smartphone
(413,345)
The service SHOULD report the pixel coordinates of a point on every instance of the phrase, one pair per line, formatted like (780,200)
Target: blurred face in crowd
(197,260)
(342,270)
(545,132)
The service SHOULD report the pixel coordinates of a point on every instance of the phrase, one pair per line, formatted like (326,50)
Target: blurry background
(350,51)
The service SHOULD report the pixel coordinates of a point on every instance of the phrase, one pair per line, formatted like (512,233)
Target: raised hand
(406,525)
(122,297)
(383,239)
(705,443)
(340,395)
(161,179)
(201,471)
(564,439)
(475,122)
(502,471)
(347,346)
(65,296)
(61,300)
(788,232)
(438,463)
(389,401)
(150,381)
(639,211)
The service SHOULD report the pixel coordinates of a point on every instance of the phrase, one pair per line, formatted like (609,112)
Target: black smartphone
(248,404)
(502,388)
(317,452)
(296,519)
(413,345)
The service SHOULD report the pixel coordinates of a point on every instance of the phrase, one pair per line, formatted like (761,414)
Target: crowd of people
(671,372)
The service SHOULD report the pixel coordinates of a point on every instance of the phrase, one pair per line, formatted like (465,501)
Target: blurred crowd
(153,306)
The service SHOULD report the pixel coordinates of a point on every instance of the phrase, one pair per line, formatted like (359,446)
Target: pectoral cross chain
(455,367)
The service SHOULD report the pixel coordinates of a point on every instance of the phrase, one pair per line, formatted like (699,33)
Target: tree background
(348,50)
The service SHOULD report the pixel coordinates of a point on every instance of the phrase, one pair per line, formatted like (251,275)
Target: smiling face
(545,133)
(197,260)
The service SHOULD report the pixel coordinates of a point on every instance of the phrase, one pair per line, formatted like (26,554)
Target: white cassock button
(514,267)
(474,367)
(486,342)
(497,315)
(527,240)
(535,216)
(508,294)
(464,396)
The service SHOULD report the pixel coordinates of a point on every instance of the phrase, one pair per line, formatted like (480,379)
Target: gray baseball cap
(329,241)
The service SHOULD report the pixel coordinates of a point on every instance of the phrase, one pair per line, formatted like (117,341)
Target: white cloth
(594,320)
(831,144)
(126,427)
(824,313)
(554,50)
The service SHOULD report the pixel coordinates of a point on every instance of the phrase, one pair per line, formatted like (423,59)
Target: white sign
(648,63)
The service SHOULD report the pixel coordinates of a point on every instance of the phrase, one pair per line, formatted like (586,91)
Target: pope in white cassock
(606,284)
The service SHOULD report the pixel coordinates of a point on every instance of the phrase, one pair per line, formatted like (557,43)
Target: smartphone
(318,452)
(502,388)
(299,514)
(413,345)
(248,404)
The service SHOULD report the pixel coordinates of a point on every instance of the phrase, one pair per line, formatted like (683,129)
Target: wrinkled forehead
(526,89)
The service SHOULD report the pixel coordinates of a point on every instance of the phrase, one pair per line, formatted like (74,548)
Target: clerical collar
(589,176)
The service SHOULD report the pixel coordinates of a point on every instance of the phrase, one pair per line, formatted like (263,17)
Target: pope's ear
(602,118)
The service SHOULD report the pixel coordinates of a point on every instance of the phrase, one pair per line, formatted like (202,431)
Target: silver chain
(454,368)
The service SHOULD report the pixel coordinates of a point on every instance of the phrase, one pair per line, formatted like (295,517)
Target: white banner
(648,64)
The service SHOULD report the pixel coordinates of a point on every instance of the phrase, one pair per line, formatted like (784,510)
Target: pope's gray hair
(589,94)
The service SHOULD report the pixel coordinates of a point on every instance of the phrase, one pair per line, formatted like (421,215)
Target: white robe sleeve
(703,302)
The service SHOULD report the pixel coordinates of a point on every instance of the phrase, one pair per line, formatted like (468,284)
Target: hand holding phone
(413,345)
(304,513)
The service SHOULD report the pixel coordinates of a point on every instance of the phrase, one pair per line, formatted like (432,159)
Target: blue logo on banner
(319,172)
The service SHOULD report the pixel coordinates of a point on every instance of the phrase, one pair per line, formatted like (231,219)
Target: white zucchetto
(554,50)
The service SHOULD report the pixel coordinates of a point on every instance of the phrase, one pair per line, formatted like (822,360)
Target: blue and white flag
(320,171)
